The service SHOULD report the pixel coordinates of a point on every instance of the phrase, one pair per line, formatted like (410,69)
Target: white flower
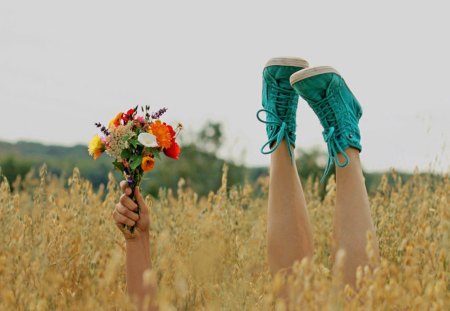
(148,140)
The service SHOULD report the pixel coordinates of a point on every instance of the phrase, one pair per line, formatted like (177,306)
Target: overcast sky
(64,66)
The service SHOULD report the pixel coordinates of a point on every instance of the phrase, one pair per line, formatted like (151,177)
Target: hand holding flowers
(135,142)
(125,213)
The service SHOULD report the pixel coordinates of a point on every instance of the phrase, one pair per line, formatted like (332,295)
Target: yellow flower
(96,147)
(162,133)
(147,163)
(116,120)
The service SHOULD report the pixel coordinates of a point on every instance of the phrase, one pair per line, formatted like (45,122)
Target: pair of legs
(289,229)
(285,80)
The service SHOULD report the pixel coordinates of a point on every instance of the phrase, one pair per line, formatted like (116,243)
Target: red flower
(129,115)
(172,133)
(173,152)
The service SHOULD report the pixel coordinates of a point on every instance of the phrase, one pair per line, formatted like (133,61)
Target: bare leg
(352,219)
(288,229)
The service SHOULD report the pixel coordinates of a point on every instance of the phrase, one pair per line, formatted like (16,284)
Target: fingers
(121,219)
(125,187)
(126,212)
(126,201)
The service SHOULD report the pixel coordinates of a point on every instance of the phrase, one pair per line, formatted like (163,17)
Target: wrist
(138,237)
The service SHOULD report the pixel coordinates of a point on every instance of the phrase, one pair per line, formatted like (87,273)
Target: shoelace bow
(282,100)
(322,108)
(334,147)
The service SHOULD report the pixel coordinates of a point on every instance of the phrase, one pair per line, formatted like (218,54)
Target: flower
(179,127)
(159,113)
(96,147)
(116,120)
(147,140)
(147,163)
(172,133)
(135,141)
(163,134)
(129,115)
(118,140)
(139,119)
(173,152)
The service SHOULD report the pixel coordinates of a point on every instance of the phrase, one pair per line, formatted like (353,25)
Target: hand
(125,213)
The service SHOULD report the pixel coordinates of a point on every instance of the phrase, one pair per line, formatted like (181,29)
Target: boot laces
(327,109)
(283,118)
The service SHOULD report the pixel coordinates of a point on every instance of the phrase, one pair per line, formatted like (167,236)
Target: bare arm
(137,247)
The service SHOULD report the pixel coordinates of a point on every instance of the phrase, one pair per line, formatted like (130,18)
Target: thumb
(140,200)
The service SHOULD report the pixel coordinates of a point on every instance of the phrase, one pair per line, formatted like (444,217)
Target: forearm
(137,262)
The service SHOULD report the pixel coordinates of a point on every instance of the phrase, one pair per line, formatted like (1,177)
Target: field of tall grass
(60,250)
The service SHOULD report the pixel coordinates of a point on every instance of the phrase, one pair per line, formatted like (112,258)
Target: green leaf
(125,154)
(147,150)
(134,142)
(134,157)
(136,162)
(118,166)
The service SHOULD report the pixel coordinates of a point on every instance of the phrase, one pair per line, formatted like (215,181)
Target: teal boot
(280,101)
(338,110)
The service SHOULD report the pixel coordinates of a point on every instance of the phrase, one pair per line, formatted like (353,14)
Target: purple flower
(103,128)
(159,113)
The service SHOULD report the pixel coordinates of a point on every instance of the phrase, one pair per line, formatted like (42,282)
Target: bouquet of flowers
(135,141)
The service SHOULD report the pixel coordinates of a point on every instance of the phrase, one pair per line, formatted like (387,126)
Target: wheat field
(59,248)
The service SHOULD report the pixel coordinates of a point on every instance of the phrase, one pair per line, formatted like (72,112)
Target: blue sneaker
(337,108)
(279,101)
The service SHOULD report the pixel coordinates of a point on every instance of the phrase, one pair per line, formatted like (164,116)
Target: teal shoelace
(327,111)
(283,119)
(329,135)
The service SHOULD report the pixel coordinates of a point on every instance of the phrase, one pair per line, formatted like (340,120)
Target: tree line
(199,165)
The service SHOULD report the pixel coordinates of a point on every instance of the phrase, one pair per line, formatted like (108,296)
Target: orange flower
(162,133)
(116,120)
(147,163)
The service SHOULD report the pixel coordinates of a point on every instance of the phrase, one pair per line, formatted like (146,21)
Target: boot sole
(288,61)
(310,72)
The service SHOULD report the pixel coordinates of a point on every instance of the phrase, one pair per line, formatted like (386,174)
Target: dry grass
(59,249)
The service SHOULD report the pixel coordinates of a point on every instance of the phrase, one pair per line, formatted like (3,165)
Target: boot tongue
(315,88)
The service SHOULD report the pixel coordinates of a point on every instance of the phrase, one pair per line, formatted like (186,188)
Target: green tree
(210,137)
(11,167)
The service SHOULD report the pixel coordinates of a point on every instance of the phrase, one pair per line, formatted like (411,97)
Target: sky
(65,65)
